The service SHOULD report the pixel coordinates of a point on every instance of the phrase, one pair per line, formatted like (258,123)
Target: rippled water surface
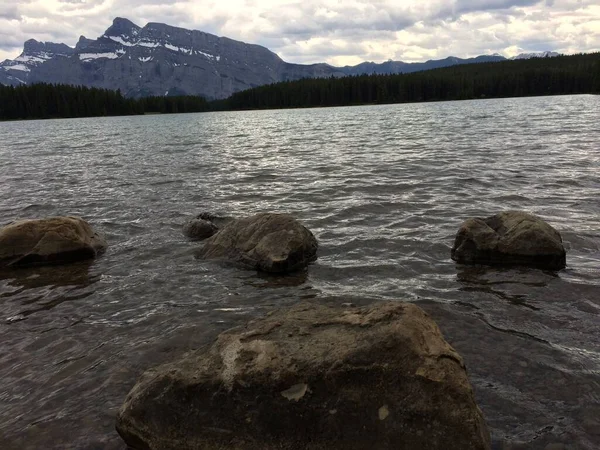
(384,189)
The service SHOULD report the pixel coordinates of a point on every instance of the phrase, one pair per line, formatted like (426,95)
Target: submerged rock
(53,240)
(510,238)
(275,243)
(199,229)
(312,377)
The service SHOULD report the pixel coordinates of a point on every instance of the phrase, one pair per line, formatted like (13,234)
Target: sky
(338,32)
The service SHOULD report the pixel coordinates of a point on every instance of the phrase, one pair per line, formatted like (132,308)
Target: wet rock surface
(509,238)
(198,229)
(275,243)
(53,240)
(312,377)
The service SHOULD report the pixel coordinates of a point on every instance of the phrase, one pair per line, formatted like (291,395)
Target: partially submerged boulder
(509,238)
(199,229)
(275,243)
(53,240)
(312,377)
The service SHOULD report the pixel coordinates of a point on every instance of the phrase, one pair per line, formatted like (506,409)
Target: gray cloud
(332,31)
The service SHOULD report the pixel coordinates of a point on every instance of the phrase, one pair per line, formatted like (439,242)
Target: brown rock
(509,238)
(53,240)
(275,243)
(312,377)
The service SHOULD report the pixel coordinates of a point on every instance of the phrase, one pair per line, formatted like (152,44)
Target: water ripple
(383,188)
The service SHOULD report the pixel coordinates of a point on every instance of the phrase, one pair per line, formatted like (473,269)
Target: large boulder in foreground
(509,238)
(275,243)
(53,240)
(312,377)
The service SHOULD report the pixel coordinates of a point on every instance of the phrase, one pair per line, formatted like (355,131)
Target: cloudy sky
(335,31)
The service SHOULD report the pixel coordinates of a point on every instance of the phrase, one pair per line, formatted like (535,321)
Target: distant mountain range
(160,59)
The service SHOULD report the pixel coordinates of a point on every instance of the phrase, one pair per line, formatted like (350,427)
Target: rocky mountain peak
(83,43)
(33,47)
(122,27)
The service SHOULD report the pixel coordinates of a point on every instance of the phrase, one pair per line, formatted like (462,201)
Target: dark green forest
(575,74)
(46,101)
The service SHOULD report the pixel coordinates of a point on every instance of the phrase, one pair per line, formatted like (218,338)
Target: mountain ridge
(160,59)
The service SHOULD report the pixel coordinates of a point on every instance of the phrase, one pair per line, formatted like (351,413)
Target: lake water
(383,188)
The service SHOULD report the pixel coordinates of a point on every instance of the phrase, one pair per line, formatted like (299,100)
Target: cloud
(334,31)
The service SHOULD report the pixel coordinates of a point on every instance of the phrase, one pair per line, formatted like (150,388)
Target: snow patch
(90,56)
(536,55)
(208,55)
(121,51)
(149,44)
(121,41)
(145,58)
(31,59)
(187,51)
(22,67)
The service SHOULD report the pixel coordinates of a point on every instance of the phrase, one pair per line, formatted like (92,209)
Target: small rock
(275,243)
(509,238)
(199,229)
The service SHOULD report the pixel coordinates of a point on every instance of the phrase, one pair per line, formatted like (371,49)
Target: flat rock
(312,377)
(509,238)
(275,243)
(53,240)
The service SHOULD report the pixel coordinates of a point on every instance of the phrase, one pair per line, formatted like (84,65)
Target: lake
(383,188)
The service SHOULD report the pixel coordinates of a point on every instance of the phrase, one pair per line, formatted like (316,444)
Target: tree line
(575,74)
(47,101)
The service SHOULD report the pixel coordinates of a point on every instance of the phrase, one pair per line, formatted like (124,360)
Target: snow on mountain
(546,54)
(159,58)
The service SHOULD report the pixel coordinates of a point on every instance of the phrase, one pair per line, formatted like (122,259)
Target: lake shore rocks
(312,377)
(275,243)
(53,240)
(509,238)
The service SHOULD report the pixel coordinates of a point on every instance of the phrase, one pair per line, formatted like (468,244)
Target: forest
(46,101)
(574,74)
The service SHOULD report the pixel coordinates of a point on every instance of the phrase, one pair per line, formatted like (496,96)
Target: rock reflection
(265,280)
(489,280)
(45,287)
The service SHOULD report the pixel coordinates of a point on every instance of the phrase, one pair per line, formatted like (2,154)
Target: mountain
(157,59)
(160,59)
(34,54)
(391,67)
(546,54)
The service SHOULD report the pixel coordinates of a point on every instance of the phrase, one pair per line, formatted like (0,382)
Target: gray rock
(275,243)
(52,240)
(199,229)
(509,238)
(312,377)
